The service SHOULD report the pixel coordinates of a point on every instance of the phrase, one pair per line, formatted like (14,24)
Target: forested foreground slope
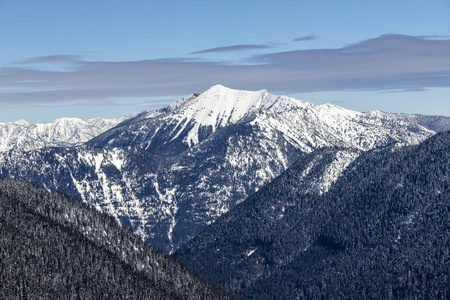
(381,231)
(54,247)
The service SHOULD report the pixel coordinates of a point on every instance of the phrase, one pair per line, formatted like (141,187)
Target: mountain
(54,247)
(168,173)
(305,126)
(63,132)
(381,230)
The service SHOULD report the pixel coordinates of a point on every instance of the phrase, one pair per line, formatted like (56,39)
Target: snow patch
(334,170)
(250,252)
(117,158)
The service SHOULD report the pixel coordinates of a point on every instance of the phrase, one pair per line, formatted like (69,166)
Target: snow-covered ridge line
(63,132)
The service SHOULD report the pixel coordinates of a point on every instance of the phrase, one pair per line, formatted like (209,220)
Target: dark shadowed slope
(54,247)
(381,231)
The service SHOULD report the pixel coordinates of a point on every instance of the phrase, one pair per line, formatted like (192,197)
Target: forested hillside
(54,247)
(381,231)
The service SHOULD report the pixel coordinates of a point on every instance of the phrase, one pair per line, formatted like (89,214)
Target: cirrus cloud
(305,38)
(232,48)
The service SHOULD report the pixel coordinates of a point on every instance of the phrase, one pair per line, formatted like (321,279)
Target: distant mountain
(54,247)
(63,132)
(168,173)
(381,230)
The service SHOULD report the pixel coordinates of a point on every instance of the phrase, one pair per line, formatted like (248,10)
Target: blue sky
(109,58)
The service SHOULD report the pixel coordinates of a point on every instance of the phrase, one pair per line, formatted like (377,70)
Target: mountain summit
(220,106)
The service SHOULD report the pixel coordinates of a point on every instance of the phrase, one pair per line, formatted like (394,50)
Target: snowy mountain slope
(168,173)
(165,199)
(63,132)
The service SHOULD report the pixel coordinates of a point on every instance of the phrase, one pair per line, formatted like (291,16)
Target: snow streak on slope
(63,132)
(333,171)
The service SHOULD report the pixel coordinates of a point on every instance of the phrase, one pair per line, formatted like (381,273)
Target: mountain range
(169,173)
(63,132)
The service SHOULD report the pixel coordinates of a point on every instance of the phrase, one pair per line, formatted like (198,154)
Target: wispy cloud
(405,90)
(232,48)
(49,59)
(433,36)
(305,38)
(389,62)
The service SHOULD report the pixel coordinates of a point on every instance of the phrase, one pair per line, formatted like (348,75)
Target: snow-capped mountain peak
(217,107)
(220,106)
(21,122)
